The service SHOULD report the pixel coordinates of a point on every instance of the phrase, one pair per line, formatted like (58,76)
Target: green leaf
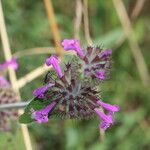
(35,104)
(25,118)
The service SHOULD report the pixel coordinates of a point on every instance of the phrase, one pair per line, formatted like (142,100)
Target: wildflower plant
(74,91)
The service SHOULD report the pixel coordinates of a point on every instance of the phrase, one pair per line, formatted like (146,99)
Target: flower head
(3,82)
(41,116)
(39,92)
(73,44)
(53,60)
(76,92)
(13,63)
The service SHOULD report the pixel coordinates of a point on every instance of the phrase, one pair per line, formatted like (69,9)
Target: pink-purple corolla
(107,120)
(13,63)
(106,53)
(41,116)
(101,74)
(39,92)
(53,60)
(109,107)
(73,44)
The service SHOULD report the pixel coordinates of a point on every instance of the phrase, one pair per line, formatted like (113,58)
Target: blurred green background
(28,27)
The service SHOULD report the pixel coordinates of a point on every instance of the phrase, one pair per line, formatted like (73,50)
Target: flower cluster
(7,95)
(75,93)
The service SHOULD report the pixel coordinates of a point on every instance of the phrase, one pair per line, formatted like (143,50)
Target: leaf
(35,104)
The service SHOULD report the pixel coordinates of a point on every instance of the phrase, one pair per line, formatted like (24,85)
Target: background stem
(17,105)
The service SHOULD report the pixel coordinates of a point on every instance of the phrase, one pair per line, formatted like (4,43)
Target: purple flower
(13,63)
(109,107)
(39,92)
(101,74)
(3,82)
(53,60)
(107,120)
(106,53)
(73,44)
(41,116)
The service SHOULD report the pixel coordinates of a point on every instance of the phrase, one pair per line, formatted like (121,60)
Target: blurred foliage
(28,27)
